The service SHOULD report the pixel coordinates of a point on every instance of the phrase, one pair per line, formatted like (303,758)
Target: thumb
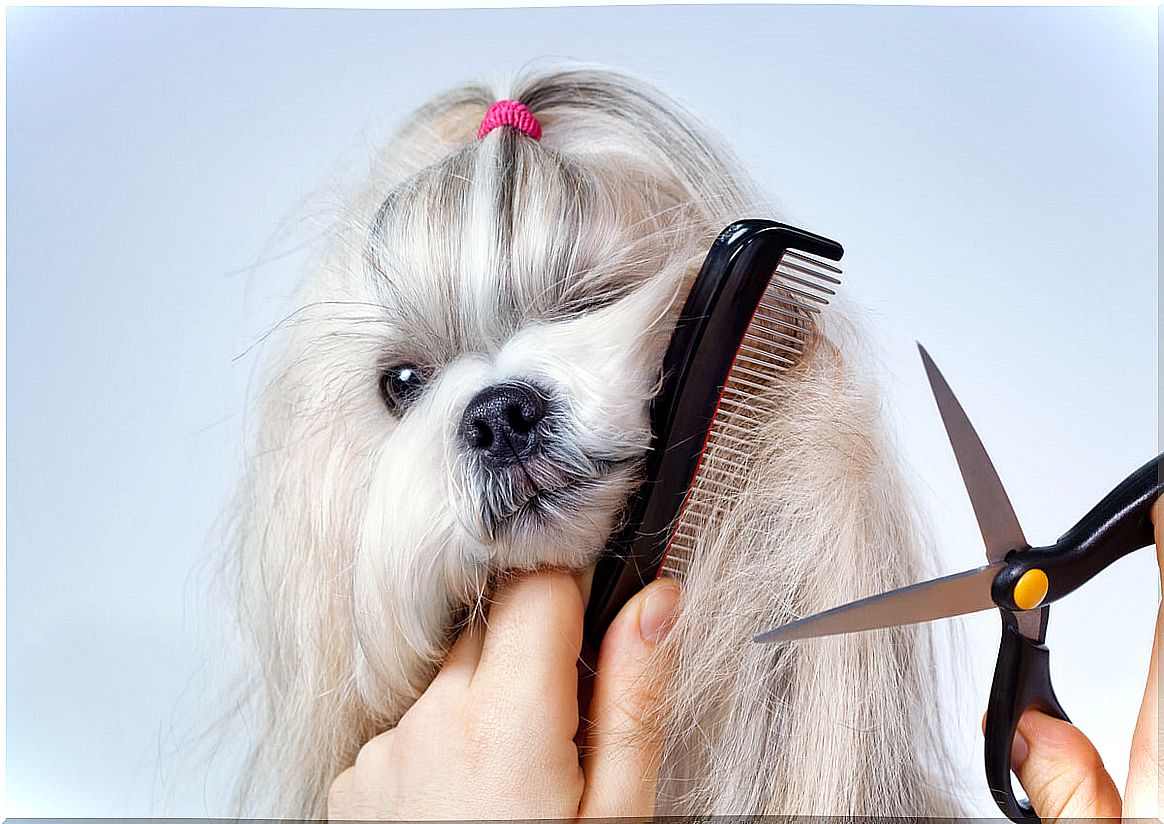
(1061,771)
(622,757)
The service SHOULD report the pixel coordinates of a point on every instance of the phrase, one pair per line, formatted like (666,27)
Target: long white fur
(362,539)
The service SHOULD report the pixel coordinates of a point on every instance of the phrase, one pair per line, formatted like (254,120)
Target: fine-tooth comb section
(780,332)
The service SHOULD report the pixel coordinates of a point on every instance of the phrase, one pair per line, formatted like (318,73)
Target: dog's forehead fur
(460,256)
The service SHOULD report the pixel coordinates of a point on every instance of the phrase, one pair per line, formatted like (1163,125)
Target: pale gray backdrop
(992,173)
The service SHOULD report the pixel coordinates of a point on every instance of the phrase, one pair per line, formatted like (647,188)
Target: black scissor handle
(1116,526)
(1022,679)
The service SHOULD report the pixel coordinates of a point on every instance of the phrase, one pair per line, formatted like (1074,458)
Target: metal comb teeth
(779,334)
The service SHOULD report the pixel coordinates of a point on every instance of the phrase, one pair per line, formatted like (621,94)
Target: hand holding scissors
(1061,770)
(1021,582)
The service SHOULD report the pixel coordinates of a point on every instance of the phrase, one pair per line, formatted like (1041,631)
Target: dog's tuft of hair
(463,391)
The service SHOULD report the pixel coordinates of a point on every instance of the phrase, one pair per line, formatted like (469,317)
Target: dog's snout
(502,422)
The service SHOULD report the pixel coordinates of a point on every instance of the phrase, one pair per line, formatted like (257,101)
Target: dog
(463,391)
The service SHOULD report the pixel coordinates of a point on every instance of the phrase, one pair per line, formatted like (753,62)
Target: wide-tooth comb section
(780,332)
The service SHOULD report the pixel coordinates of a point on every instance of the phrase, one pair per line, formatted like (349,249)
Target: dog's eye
(400,385)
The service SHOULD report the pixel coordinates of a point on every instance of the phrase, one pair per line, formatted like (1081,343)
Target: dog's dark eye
(400,386)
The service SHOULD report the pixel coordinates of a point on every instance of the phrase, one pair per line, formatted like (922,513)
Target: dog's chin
(565,526)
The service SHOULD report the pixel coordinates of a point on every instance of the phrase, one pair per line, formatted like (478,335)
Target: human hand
(493,736)
(1063,774)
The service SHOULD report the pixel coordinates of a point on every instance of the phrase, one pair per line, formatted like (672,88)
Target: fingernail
(585,581)
(657,610)
(1019,749)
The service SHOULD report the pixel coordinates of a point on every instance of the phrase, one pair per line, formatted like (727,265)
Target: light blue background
(991,172)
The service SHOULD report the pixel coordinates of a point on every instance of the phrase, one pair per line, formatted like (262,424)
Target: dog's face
(497,354)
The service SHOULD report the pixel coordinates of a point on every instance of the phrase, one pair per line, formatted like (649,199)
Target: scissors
(1020,580)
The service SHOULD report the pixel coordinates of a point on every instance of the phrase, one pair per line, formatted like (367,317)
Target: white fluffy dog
(475,291)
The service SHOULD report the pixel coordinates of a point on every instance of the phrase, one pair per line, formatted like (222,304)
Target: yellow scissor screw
(1031,589)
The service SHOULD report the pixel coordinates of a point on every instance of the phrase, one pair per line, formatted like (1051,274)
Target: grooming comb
(749,317)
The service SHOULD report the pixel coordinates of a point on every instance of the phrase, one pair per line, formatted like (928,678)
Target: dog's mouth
(546,503)
(548,498)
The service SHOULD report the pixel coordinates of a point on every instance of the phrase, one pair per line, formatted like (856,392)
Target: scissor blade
(957,594)
(996,519)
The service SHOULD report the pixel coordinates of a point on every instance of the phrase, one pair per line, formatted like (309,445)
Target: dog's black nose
(501,422)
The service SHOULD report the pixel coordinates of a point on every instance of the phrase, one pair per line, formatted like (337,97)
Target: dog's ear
(292,534)
(830,725)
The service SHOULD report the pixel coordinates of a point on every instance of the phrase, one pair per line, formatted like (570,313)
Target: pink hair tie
(510,113)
